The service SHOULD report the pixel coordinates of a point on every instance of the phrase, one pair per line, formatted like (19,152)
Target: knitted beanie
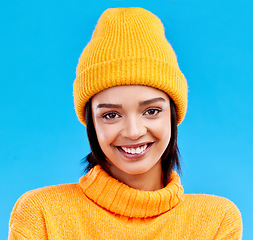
(128,47)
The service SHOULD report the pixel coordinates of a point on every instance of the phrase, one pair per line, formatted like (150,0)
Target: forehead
(128,94)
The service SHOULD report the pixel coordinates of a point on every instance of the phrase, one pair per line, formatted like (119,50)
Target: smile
(135,151)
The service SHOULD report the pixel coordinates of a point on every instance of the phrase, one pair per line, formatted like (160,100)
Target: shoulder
(28,214)
(215,210)
(46,193)
(210,202)
(36,200)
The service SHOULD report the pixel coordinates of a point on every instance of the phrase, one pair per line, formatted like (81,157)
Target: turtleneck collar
(121,199)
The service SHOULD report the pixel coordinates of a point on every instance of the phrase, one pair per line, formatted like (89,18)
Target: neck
(148,181)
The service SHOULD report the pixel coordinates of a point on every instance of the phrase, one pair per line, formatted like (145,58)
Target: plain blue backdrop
(41,140)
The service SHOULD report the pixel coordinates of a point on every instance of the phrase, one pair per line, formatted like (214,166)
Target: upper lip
(134,145)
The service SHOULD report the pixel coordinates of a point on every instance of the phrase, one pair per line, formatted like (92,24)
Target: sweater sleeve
(27,219)
(231,225)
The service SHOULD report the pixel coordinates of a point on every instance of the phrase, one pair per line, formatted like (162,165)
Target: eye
(110,116)
(152,111)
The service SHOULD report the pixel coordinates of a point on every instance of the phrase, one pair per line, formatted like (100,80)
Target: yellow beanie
(128,47)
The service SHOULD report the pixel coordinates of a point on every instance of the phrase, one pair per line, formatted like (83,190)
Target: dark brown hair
(170,157)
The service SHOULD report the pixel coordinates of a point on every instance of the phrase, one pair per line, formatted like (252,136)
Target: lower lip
(136,155)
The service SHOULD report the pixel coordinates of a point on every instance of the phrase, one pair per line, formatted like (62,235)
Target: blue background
(42,142)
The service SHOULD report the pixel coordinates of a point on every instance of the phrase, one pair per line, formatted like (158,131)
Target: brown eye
(152,112)
(110,115)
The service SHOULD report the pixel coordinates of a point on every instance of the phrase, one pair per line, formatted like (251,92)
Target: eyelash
(107,116)
(157,110)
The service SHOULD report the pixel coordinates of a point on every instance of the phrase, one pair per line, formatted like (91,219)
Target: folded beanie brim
(131,71)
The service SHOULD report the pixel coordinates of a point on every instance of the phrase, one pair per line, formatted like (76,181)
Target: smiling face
(133,127)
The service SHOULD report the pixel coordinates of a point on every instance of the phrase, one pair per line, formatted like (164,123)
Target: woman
(131,95)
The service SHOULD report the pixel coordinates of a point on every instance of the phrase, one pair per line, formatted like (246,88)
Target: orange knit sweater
(100,207)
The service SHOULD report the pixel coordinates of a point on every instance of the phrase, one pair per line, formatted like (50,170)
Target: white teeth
(135,150)
(138,150)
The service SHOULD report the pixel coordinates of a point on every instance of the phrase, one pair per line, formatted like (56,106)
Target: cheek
(105,134)
(164,134)
(162,130)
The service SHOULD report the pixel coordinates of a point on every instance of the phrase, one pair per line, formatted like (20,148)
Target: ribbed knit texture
(128,47)
(100,207)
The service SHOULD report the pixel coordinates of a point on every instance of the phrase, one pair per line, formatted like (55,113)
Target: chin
(135,169)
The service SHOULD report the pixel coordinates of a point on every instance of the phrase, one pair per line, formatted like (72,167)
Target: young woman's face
(133,126)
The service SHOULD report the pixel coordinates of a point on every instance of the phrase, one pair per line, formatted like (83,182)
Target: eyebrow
(109,105)
(153,100)
(146,102)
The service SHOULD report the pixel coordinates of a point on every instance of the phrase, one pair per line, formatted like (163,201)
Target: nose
(134,128)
